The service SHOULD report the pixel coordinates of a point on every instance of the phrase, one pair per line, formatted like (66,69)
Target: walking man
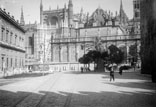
(112,73)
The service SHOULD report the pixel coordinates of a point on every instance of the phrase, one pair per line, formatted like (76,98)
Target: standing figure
(81,69)
(111,73)
(133,63)
(4,68)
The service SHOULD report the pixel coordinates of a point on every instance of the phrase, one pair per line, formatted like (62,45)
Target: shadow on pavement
(130,80)
(129,75)
(128,90)
(77,99)
(86,72)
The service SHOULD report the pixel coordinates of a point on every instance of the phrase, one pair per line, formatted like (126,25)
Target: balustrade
(103,38)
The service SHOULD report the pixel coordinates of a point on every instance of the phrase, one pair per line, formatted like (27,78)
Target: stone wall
(101,31)
(148,37)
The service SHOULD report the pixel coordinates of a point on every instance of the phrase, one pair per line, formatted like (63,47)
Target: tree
(100,49)
(105,55)
(95,56)
(115,54)
(133,51)
(86,59)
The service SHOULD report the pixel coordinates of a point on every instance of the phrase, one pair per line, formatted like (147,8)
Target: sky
(31,8)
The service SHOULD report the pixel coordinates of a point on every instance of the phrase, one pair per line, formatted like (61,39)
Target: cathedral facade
(61,34)
(55,24)
(62,37)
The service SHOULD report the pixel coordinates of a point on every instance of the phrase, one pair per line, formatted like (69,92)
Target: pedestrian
(120,70)
(133,63)
(30,69)
(81,69)
(4,69)
(111,73)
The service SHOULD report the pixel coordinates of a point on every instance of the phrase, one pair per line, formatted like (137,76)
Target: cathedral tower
(136,7)
(22,22)
(41,12)
(123,19)
(121,12)
(70,13)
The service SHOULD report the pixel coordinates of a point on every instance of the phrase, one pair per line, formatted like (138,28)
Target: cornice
(5,45)
(10,19)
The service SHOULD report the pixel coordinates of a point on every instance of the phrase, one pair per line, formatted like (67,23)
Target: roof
(10,19)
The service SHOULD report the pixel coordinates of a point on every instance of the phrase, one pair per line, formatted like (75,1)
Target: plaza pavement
(75,89)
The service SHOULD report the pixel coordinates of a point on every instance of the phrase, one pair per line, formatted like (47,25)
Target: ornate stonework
(66,36)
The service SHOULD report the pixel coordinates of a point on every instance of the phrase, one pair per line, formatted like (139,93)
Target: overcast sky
(31,8)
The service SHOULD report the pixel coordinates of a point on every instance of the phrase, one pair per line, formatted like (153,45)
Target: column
(52,52)
(76,57)
(59,52)
(51,47)
(68,53)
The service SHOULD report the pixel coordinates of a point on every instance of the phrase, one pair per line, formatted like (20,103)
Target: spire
(122,16)
(121,12)
(65,5)
(116,13)
(121,6)
(41,11)
(99,7)
(49,7)
(87,17)
(70,2)
(81,11)
(70,13)
(111,14)
(81,14)
(41,5)
(121,9)
(22,17)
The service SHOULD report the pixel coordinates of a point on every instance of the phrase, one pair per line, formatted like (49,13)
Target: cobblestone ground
(74,89)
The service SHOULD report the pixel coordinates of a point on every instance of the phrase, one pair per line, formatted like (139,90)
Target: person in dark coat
(120,70)
(111,68)
(81,69)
